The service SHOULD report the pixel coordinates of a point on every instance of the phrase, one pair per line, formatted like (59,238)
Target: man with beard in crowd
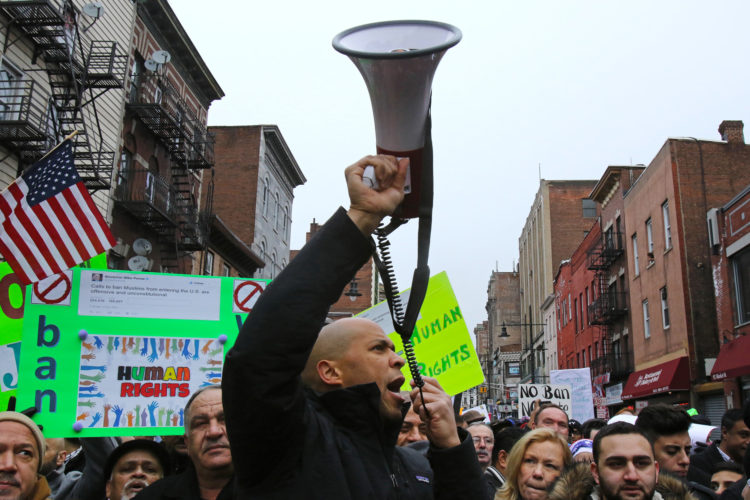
(132,466)
(624,467)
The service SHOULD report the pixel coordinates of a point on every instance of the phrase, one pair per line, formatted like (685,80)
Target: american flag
(49,221)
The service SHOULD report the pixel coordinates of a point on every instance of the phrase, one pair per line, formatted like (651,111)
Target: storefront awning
(670,376)
(733,360)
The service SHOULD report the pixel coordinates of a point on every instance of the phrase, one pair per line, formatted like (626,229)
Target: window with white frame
(664,308)
(650,239)
(225,270)
(208,264)
(636,266)
(667,226)
(646,320)
(741,267)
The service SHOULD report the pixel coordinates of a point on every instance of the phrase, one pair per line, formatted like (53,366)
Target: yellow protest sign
(441,340)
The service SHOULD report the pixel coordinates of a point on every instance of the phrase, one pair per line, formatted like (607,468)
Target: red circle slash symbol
(50,294)
(241,303)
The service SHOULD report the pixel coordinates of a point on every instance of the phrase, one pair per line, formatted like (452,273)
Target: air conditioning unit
(712,220)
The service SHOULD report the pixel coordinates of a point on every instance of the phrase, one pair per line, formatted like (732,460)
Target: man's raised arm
(263,396)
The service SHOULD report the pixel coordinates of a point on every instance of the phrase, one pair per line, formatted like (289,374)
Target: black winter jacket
(182,486)
(288,442)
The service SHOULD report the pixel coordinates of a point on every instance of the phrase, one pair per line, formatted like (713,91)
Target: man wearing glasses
(484,440)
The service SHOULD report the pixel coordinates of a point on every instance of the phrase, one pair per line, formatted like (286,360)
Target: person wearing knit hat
(21,450)
(583,450)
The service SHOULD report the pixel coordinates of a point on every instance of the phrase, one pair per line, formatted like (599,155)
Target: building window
(124,172)
(225,270)
(273,265)
(265,197)
(285,222)
(667,226)
(589,207)
(650,239)
(636,267)
(575,317)
(741,266)
(263,250)
(646,321)
(583,356)
(664,308)
(208,264)
(580,308)
(276,212)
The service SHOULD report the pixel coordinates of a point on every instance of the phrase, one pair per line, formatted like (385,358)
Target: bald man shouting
(315,413)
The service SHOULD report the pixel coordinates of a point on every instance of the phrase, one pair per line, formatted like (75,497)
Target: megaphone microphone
(397,60)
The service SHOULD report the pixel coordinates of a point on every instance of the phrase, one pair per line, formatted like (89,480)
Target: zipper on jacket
(393,480)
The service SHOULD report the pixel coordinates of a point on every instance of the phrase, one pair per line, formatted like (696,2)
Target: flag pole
(68,137)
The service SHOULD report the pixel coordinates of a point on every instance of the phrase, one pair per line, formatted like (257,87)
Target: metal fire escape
(609,305)
(79,70)
(170,206)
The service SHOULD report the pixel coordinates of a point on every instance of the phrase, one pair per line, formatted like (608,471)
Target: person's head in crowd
(472,416)
(583,451)
(484,440)
(667,428)
(54,456)
(624,464)
(206,434)
(575,430)
(591,427)
(552,417)
(412,428)
(735,435)
(22,448)
(505,439)
(178,456)
(628,410)
(133,466)
(535,462)
(460,422)
(355,351)
(725,474)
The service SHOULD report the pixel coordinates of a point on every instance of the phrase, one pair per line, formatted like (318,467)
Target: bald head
(333,342)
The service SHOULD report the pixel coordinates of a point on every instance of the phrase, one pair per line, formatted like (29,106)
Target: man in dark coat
(209,474)
(315,413)
(735,437)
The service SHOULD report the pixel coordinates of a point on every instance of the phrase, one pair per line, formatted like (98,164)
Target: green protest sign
(11,322)
(109,353)
(441,340)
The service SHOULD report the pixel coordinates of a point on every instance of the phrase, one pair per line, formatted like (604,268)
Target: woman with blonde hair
(536,460)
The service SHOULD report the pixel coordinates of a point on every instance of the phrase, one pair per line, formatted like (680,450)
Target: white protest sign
(582,408)
(548,393)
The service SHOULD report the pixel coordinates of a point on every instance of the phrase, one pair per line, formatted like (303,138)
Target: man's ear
(60,458)
(502,460)
(595,472)
(108,489)
(330,373)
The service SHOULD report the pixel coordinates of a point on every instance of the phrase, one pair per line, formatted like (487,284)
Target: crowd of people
(310,409)
(648,456)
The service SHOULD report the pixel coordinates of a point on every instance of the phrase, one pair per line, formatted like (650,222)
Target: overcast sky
(565,88)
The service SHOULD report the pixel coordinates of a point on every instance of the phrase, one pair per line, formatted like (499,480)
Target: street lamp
(504,334)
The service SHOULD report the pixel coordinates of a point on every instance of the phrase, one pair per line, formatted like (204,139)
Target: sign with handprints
(143,381)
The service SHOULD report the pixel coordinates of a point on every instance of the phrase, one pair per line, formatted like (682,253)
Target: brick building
(162,192)
(362,292)
(253,195)
(503,337)
(608,306)
(729,238)
(670,278)
(560,216)
(574,291)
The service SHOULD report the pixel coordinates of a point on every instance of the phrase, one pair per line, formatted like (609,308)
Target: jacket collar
(358,408)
